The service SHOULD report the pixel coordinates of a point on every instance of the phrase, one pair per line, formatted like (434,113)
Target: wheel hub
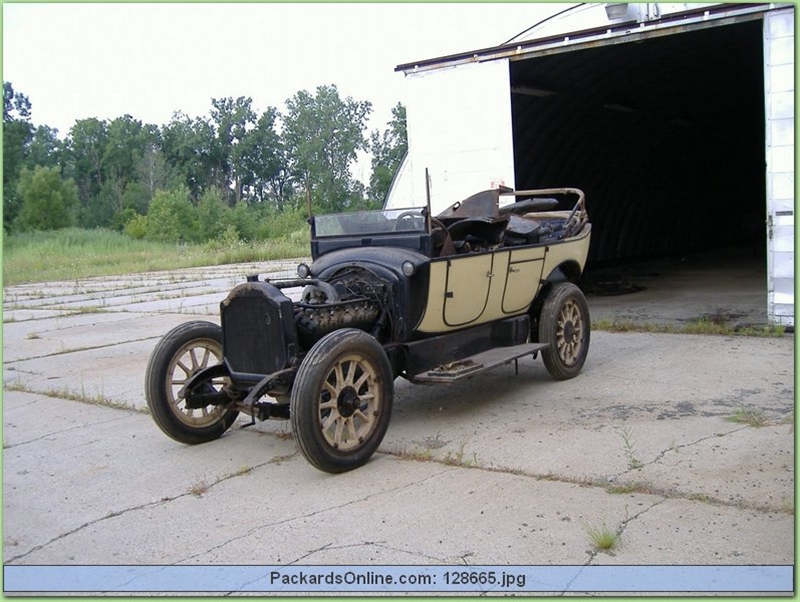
(569,331)
(348,402)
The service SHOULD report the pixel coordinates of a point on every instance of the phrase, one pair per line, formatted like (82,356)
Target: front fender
(407,292)
(386,262)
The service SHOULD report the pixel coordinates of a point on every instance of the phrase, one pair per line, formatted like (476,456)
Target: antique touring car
(392,293)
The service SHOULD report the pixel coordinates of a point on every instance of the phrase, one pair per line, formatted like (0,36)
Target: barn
(677,120)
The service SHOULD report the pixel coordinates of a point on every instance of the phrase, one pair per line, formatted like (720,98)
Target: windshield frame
(379,222)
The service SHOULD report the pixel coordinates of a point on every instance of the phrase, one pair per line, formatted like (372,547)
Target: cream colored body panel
(467,290)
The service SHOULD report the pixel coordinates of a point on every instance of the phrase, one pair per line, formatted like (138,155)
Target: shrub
(213,215)
(48,201)
(136,227)
(172,217)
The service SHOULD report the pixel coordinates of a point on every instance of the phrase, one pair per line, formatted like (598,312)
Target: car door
(469,280)
(467,290)
(458,292)
(523,278)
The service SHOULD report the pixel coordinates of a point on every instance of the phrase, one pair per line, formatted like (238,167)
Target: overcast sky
(75,61)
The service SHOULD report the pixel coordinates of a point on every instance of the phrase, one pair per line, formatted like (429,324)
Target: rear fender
(569,271)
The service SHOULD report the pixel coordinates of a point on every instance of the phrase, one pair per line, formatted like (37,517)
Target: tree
(17,134)
(187,146)
(388,150)
(86,155)
(127,142)
(101,209)
(232,120)
(322,134)
(15,104)
(124,145)
(152,171)
(104,158)
(136,197)
(45,148)
(48,201)
(259,161)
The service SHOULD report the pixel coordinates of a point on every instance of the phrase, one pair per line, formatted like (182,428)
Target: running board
(476,364)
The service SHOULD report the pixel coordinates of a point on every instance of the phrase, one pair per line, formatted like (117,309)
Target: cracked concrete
(508,468)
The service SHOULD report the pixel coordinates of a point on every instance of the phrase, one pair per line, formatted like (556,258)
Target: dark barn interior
(665,135)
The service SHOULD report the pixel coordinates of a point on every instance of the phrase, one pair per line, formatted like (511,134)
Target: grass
(280,459)
(457,458)
(641,487)
(199,488)
(98,399)
(602,538)
(755,417)
(425,454)
(242,470)
(700,326)
(627,488)
(416,455)
(203,486)
(74,253)
(627,442)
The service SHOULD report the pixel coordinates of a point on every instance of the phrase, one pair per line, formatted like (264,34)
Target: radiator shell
(259,336)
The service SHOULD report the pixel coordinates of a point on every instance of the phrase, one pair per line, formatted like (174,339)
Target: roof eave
(524,47)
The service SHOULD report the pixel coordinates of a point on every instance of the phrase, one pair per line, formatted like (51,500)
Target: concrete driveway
(681,446)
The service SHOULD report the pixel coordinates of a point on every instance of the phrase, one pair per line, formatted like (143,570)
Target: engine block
(315,321)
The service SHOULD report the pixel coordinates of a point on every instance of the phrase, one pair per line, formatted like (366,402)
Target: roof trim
(515,49)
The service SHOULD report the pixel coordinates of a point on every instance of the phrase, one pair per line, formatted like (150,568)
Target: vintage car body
(394,293)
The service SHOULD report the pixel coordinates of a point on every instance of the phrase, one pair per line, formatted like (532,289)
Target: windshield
(360,223)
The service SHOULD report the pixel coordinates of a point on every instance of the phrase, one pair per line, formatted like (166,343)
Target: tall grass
(76,253)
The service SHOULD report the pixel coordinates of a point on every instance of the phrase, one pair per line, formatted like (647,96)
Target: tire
(341,401)
(565,325)
(182,352)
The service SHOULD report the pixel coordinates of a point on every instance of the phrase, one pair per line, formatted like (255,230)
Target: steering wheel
(437,224)
(444,245)
(405,216)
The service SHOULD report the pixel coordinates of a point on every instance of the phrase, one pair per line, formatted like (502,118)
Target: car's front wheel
(181,353)
(564,324)
(341,401)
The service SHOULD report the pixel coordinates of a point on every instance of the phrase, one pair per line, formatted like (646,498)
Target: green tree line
(233,173)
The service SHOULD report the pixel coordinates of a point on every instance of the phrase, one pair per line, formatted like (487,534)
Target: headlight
(408,268)
(303,270)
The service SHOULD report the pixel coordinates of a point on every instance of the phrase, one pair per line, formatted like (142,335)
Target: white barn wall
(459,129)
(779,104)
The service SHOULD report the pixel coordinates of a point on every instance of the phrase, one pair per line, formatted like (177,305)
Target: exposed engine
(352,298)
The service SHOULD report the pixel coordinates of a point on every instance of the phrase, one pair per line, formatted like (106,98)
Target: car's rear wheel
(565,325)
(181,353)
(341,401)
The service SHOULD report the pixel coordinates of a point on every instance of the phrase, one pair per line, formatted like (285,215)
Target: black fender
(569,271)
(408,293)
